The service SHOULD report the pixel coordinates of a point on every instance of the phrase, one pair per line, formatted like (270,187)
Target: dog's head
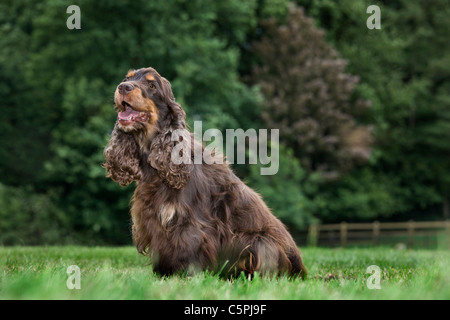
(148,119)
(145,102)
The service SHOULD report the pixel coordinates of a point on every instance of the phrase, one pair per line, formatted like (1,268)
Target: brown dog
(188,216)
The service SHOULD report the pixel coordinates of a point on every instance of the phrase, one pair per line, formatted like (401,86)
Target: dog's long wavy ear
(122,158)
(170,151)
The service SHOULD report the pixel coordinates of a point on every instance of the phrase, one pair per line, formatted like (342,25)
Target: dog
(188,216)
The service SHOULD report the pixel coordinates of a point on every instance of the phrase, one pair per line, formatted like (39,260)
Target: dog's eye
(151,85)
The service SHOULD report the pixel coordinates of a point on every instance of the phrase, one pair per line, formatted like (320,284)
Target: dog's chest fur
(152,207)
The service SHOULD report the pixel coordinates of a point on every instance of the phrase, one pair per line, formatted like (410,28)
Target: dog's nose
(125,88)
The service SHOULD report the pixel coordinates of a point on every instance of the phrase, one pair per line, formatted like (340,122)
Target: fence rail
(372,233)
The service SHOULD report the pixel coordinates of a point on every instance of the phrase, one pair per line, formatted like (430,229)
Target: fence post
(343,234)
(411,228)
(313,235)
(375,233)
(447,233)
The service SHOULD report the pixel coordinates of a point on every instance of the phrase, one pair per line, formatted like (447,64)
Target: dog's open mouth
(129,115)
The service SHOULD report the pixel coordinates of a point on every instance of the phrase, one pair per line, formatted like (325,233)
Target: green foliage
(30,218)
(21,126)
(57,90)
(276,9)
(59,84)
(283,191)
(310,97)
(404,72)
(91,201)
(362,196)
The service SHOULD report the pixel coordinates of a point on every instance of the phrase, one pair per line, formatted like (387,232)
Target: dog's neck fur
(144,138)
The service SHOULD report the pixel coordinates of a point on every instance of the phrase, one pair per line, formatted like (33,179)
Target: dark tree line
(364,115)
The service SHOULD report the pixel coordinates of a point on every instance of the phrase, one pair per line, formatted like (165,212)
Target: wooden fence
(406,233)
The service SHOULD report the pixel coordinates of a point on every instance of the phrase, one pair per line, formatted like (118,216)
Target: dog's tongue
(128,114)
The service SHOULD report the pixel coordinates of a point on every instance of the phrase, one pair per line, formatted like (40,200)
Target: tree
(283,191)
(57,87)
(309,97)
(404,69)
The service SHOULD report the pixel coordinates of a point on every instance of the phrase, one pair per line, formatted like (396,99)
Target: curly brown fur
(188,216)
(122,158)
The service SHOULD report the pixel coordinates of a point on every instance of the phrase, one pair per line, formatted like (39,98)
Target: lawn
(121,273)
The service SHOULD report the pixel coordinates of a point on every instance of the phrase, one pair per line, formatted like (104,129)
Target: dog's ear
(122,158)
(170,155)
(170,151)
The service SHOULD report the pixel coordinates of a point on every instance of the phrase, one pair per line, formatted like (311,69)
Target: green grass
(120,273)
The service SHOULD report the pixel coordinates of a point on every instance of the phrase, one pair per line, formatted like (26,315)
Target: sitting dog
(188,216)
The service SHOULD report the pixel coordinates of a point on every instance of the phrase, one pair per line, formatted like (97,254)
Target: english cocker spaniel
(188,216)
